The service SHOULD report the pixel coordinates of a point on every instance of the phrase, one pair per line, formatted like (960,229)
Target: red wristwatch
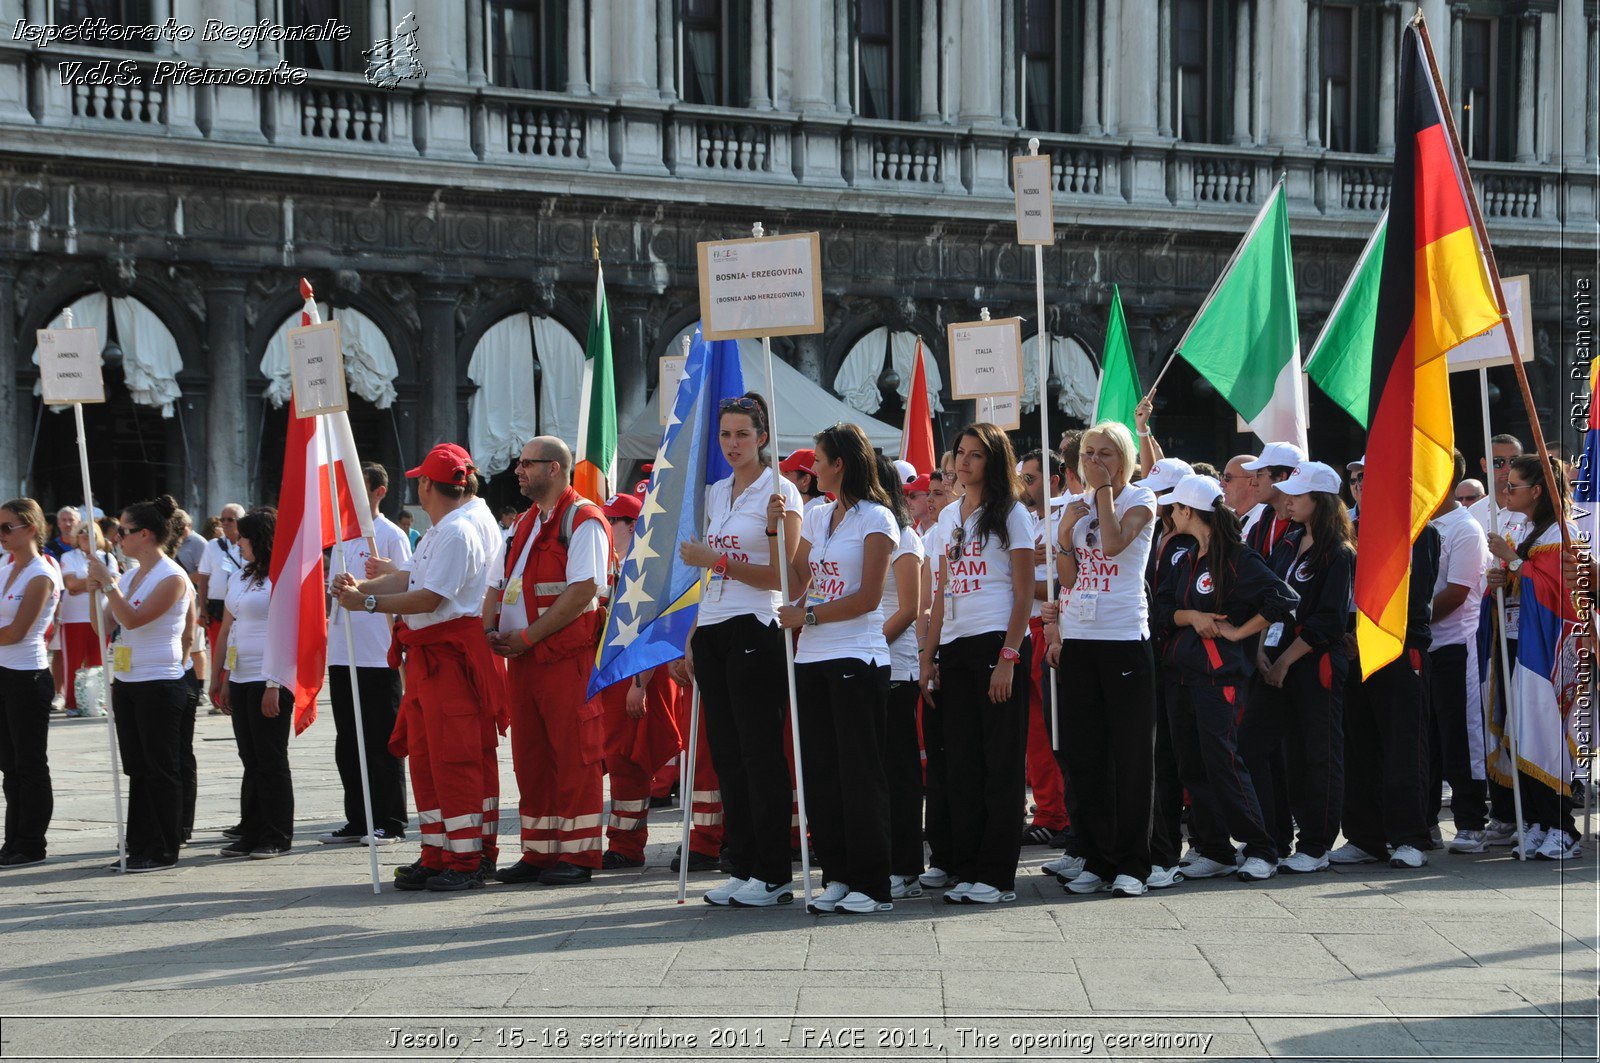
(1009,654)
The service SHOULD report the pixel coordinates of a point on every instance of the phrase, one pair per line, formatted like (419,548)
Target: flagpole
(1501,640)
(1045,448)
(101,630)
(686,766)
(1254,225)
(758,231)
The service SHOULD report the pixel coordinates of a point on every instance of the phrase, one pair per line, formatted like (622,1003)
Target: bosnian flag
(296,651)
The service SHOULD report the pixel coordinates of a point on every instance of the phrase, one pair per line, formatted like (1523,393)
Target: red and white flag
(296,651)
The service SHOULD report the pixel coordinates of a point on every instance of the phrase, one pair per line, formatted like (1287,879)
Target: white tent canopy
(1073,371)
(150,359)
(501,416)
(369,366)
(801,407)
(857,379)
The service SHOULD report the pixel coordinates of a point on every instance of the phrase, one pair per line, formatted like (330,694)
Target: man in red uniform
(547,623)
(454,691)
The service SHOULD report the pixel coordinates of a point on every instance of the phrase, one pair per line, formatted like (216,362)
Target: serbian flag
(916,438)
(296,651)
(1547,675)
(1433,293)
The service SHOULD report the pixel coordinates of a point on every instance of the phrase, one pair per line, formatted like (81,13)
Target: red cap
(622,506)
(446,463)
(921,485)
(799,461)
(641,488)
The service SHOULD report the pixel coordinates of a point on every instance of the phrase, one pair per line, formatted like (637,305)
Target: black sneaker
(1036,835)
(21,859)
(143,864)
(268,852)
(413,872)
(661,802)
(697,861)
(1059,839)
(615,861)
(233,833)
(236,850)
(345,835)
(454,881)
(565,874)
(518,874)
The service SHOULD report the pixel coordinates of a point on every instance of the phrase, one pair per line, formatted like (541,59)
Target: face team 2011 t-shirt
(903,650)
(738,527)
(1107,601)
(836,563)
(977,589)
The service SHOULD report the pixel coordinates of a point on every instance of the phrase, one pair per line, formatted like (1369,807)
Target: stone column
(1527,81)
(1008,62)
(980,67)
(630,351)
(476,72)
(1388,53)
(577,49)
(1313,54)
(160,11)
(437,414)
(844,36)
(1285,74)
(1090,125)
(1110,73)
(1164,121)
(928,105)
(1241,76)
(760,41)
(1138,105)
(13,410)
(266,50)
(226,445)
(1591,107)
(666,51)
(809,93)
(441,34)
(1571,94)
(633,49)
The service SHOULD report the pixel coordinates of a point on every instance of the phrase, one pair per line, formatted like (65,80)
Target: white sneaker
(1189,857)
(1088,882)
(1303,864)
(1064,868)
(829,899)
(1559,845)
(720,895)
(957,893)
(903,886)
(1533,837)
(1205,867)
(1469,841)
(934,878)
(1128,886)
(983,893)
(1351,853)
(380,837)
(1408,856)
(758,894)
(1164,877)
(861,904)
(1499,832)
(1256,869)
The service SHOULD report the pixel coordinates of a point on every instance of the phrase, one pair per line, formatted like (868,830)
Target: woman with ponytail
(30,585)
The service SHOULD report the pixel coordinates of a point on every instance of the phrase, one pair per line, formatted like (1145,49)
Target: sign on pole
(317,362)
(69,366)
(768,286)
(671,372)
(1491,349)
(1030,178)
(1002,411)
(985,357)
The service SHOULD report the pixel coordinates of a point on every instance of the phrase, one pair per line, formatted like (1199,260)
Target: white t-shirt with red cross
(836,558)
(738,527)
(977,588)
(1107,600)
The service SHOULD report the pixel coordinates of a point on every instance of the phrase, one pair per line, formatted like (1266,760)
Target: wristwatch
(1009,654)
(371,603)
(811,618)
(1515,564)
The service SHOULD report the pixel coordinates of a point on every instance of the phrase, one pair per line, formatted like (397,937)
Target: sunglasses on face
(1358,477)
(1519,487)
(528,463)
(1029,478)
(7,528)
(1501,463)
(125,531)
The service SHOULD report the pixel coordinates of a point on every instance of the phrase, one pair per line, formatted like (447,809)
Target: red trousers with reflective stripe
(705,835)
(628,825)
(557,750)
(448,736)
(1044,773)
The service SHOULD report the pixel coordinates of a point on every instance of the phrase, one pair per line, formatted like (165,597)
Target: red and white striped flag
(296,652)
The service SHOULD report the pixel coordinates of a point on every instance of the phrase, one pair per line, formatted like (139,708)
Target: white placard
(1491,348)
(985,357)
(1002,411)
(768,286)
(69,366)
(1030,178)
(318,365)
(671,372)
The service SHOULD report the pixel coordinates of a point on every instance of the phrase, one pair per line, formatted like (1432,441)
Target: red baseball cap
(799,461)
(627,506)
(446,463)
(921,485)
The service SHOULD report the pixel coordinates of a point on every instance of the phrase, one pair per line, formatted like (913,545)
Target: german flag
(1429,301)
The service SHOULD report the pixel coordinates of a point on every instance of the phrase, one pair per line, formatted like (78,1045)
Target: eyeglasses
(1029,478)
(1229,477)
(739,403)
(1357,477)
(229,520)
(528,463)
(1501,463)
(125,531)
(7,528)
(1520,487)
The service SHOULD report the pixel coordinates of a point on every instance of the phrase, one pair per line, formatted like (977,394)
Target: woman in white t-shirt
(80,641)
(842,671)
(902,607)
(979,677)
(30,585)
(737,657)
(1107,669)
(262,712)
(150,605)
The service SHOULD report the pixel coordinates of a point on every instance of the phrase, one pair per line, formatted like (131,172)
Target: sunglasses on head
(739,403)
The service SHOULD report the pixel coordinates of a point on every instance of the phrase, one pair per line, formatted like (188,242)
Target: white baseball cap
(1195,491)
(1359,463)
(1311,476)
(1286,454)
(1165,474)
(907,471)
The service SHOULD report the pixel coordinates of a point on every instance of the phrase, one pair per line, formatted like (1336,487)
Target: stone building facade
(443,204)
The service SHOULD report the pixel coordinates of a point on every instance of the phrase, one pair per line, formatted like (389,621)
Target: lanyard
(736,505)
(829,536)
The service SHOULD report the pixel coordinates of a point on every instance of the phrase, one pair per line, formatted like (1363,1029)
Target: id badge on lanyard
(715,580)
(512,592)
(1083,604)
(122,659)
(1273,636)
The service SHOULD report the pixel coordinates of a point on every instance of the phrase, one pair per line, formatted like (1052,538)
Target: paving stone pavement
(1472,957)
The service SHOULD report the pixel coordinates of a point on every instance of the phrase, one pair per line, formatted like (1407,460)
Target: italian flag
(1340,362)
(1118,396)
(1246,339)
(595,465)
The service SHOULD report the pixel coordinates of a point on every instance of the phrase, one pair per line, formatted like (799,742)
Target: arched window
(516,358)
(528,44)
(888,50)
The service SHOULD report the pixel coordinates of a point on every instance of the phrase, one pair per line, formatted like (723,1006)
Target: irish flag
(1246,339)
(595,465)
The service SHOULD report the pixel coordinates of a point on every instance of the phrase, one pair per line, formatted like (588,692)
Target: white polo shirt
(836,560)
(1463,560)
(372,631)
(978,594)
(738,527)
(218,563)
(452,561)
